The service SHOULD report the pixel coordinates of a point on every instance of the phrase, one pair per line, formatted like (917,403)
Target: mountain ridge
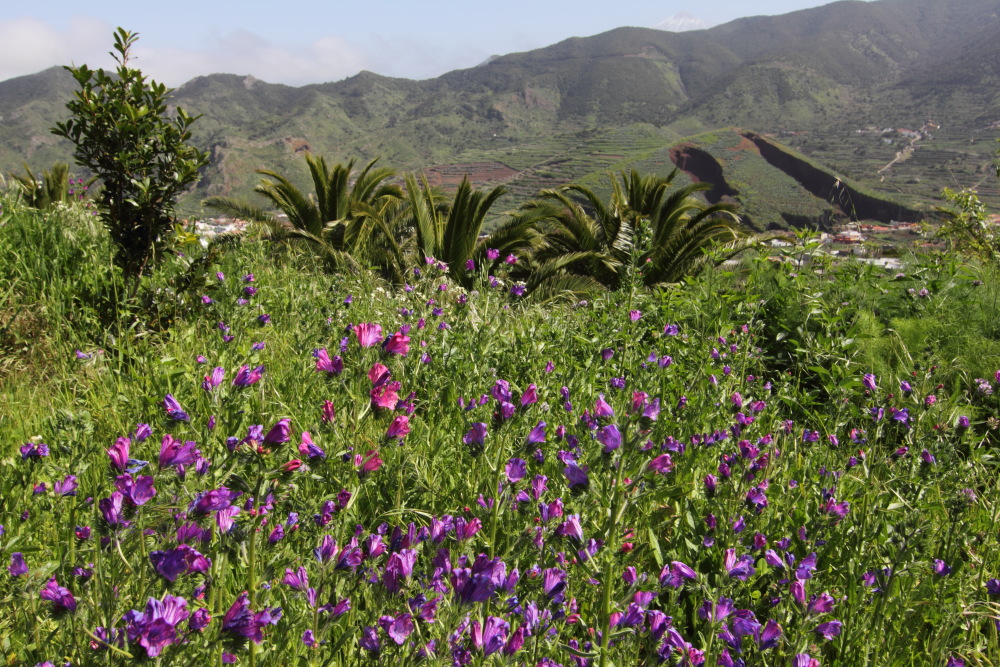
(815,78)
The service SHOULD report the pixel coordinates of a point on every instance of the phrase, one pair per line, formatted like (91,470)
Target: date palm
(339,217)
(452,232)
(588,236)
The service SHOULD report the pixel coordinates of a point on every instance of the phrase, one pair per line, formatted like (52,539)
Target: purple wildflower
(173,409)
(156,628)
(62,599)
(241,621)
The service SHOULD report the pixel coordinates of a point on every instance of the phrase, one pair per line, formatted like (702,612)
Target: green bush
(122,134)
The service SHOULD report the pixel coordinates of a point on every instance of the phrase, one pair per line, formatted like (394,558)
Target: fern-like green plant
(45,192)
(343,218)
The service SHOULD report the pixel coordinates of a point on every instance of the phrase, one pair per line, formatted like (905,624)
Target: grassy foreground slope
(731,467)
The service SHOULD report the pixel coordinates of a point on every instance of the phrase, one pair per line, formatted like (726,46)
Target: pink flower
(369,335)
(399,427)
(334,366)
(397,343)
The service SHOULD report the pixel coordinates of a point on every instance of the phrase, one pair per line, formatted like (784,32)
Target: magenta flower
(369,463)
(575,475)
(369,640)
(553,582)
(476,435)
(369,335)
(718,611)
(399,428)
(602,410)
(215,379)
(173,409)
(119,453)
(385,396)
(247,376)
(515,470)
(537,434)
(213,501)
(334,366)
(757,499)
(17,566)
(652,410)
(571,528)
(398,628)
(397,343)
(66,487)
(310,449)
(464,530)
(225,518)
(156,628)
(836,510)
(280,433)
(828,630)
(173,453)
(869,382)
(137,491)
(739,568)
(529,396)
(61,598)
(675,573)
(491,637)
(241,621)
(610,437)
(398,569)
(199,620)
(296,579)
(770,635)
(172,563)
(111,509)
(662,464)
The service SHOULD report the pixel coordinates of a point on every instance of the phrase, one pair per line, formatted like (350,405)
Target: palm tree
(586,236)
(688,236)
(342,220)
(45,192)
(453,232)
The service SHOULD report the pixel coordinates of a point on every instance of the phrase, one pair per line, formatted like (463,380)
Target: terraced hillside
(837,83)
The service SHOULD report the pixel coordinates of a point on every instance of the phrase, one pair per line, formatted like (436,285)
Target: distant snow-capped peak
(682,22)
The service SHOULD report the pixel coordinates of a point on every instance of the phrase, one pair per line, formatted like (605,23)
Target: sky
(298,42)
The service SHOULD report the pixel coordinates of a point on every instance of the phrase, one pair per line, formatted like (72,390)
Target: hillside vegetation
(835,82)
(264,462)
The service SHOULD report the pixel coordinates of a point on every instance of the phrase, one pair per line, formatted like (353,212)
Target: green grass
(789,348)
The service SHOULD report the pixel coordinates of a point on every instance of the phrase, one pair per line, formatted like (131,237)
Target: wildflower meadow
(264,462)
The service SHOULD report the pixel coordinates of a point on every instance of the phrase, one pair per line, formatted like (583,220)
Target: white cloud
(243,52)
(417,58)
(29,45)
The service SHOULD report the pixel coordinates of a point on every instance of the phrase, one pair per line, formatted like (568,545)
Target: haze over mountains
(897,97)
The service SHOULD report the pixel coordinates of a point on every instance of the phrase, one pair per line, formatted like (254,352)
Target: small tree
(122,133)
(967,226)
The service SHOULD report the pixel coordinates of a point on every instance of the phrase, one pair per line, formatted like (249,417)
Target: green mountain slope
(835,83)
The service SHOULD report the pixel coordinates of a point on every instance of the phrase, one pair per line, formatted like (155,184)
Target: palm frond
(234,208)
